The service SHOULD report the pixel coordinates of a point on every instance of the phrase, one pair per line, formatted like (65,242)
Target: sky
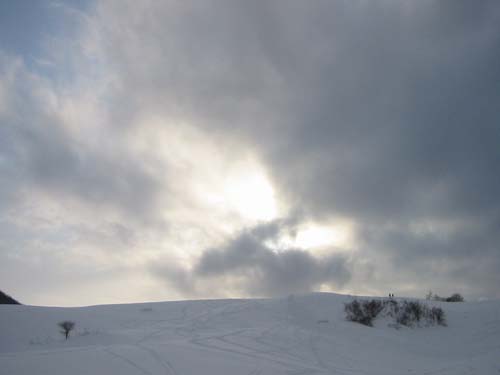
(161,150)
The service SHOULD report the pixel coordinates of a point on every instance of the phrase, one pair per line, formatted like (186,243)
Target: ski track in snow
(298,335)
(128,361)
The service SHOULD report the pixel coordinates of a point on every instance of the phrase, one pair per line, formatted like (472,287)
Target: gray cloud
(463,256)
(373,110)
(38,152)
(253,268)
(68,207)
(383,113)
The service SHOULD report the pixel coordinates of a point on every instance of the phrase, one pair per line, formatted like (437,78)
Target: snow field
(305,334)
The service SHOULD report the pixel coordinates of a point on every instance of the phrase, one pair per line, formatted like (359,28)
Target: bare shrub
(414,313)
(373,307)
(406,313)
(436,314)
(66,327)
(456,297)
(354,313)
(410,313)
(363,312)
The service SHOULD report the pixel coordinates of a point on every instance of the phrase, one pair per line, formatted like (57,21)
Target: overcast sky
(157,150)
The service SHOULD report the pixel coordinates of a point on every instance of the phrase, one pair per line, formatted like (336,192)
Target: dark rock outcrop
(7,300)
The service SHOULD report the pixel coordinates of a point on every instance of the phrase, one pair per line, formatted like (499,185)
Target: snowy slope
(294,335)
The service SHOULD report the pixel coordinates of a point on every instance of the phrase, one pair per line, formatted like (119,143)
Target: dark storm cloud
(251,267)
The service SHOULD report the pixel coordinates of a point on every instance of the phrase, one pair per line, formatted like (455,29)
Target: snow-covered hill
(294,335)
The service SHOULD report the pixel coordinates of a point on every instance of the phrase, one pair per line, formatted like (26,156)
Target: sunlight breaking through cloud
(161,129)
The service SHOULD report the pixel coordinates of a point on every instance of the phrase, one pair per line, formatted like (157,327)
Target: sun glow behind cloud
(319,238)
(216,196)
(251,195)
(169,144)
(314,236)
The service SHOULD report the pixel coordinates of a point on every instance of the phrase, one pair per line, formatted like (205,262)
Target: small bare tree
(66,327)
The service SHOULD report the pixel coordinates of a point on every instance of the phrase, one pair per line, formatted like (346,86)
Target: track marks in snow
(262,337)
(221,343)
(164,363)
(128,361)
(134,357)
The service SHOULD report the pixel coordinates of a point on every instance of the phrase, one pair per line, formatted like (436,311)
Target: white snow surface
(299,334)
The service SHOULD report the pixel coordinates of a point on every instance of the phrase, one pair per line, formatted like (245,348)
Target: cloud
(252,268)
(441,256)
(40,152)
(373,111)
(381,114)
